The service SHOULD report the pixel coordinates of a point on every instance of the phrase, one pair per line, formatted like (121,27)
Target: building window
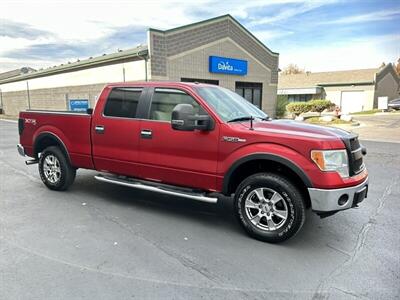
(251,91)
(300,98)
(208,81)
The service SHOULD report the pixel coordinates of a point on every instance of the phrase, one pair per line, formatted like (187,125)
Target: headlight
(332,160)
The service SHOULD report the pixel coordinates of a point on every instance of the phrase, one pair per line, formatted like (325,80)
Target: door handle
(99,129)
(146,134)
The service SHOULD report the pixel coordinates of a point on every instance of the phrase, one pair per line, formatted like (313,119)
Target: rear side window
(164,101)
(123,102)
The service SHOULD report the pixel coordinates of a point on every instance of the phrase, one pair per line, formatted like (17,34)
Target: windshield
(229,105)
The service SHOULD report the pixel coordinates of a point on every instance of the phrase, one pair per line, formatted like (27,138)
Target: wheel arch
(47,139)
(260,162)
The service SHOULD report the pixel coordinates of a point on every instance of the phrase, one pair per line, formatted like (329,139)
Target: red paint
(198,159)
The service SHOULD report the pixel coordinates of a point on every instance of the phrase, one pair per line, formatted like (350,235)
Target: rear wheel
(269,207)
(55,170)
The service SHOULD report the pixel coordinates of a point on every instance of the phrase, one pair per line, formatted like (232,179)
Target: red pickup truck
(201,141)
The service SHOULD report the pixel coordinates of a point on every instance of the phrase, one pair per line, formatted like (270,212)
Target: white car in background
(394,104)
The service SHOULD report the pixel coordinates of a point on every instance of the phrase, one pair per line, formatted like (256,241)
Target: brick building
(217,51)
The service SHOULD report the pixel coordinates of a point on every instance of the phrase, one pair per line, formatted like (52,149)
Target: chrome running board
(157,187)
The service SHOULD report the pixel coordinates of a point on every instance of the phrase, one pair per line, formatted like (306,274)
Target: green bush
(298,108)
(281,103)
(317,105)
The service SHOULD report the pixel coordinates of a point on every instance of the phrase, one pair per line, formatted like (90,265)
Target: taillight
(21,124)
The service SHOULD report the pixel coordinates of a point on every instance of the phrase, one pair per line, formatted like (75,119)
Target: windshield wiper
(248,118)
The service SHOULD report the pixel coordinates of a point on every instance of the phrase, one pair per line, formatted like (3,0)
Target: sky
(324,35)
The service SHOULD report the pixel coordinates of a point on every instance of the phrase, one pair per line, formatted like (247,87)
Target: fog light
(343,199)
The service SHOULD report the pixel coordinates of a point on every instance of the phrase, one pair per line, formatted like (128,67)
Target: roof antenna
(251,123)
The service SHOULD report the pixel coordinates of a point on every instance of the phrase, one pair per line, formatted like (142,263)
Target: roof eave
(78,66)
(346,83)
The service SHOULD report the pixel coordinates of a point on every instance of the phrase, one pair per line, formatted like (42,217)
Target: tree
(292,69)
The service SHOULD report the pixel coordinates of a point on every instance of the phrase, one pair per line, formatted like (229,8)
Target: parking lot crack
(349,293)
(322,291)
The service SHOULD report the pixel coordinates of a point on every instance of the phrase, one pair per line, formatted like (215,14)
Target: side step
(157,187)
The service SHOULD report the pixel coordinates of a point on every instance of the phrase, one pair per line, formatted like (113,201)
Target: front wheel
(269,207)
(55,170)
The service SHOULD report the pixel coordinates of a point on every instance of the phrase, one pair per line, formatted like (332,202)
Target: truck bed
(71,128)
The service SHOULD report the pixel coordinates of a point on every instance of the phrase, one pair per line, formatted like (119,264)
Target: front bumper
(327,201)
(21,150)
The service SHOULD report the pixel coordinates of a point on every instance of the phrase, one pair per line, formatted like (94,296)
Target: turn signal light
(318,158)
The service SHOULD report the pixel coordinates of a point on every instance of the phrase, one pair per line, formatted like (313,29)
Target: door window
(123,102)
(251,91)
(164,101)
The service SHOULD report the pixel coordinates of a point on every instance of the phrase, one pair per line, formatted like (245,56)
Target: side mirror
(183,118)
(89,111)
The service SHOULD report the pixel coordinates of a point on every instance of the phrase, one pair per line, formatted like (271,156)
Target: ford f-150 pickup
(201,142)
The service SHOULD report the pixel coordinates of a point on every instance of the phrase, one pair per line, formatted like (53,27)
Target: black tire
(255,221)
(65,175)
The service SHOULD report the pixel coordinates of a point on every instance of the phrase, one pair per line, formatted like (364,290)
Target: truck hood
(296,128)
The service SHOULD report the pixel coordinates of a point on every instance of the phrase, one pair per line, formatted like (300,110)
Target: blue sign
(227,65)
(78,104)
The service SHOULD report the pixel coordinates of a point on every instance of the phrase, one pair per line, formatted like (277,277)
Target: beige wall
(52,92)
(51,99)
(134,70)
(334,94)
(194,64)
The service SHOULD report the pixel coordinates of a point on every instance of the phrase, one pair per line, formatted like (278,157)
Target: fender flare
(265,156)
(53,136)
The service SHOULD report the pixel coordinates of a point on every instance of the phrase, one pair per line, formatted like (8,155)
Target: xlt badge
(233,139)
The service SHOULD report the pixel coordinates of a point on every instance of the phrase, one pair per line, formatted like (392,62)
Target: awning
(302,91)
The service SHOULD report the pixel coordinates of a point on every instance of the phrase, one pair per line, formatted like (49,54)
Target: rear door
(186,158)
(116,130)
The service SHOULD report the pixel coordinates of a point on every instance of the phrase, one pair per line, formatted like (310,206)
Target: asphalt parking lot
(379,127)
(99,241)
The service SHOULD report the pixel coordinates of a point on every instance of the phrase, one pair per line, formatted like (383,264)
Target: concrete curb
(8,120)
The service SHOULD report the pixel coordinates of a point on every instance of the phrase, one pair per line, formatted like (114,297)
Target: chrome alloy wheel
(52,169)
(266,209)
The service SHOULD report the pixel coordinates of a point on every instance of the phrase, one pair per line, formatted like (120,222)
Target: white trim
(300,91)
(150,54)
(226,39)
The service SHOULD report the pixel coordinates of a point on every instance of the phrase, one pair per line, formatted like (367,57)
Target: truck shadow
(219,215)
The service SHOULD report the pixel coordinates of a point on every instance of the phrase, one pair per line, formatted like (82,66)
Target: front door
(186,158)
(116,131)
(251,91)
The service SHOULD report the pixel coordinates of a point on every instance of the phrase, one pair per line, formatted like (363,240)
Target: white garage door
(352,101)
